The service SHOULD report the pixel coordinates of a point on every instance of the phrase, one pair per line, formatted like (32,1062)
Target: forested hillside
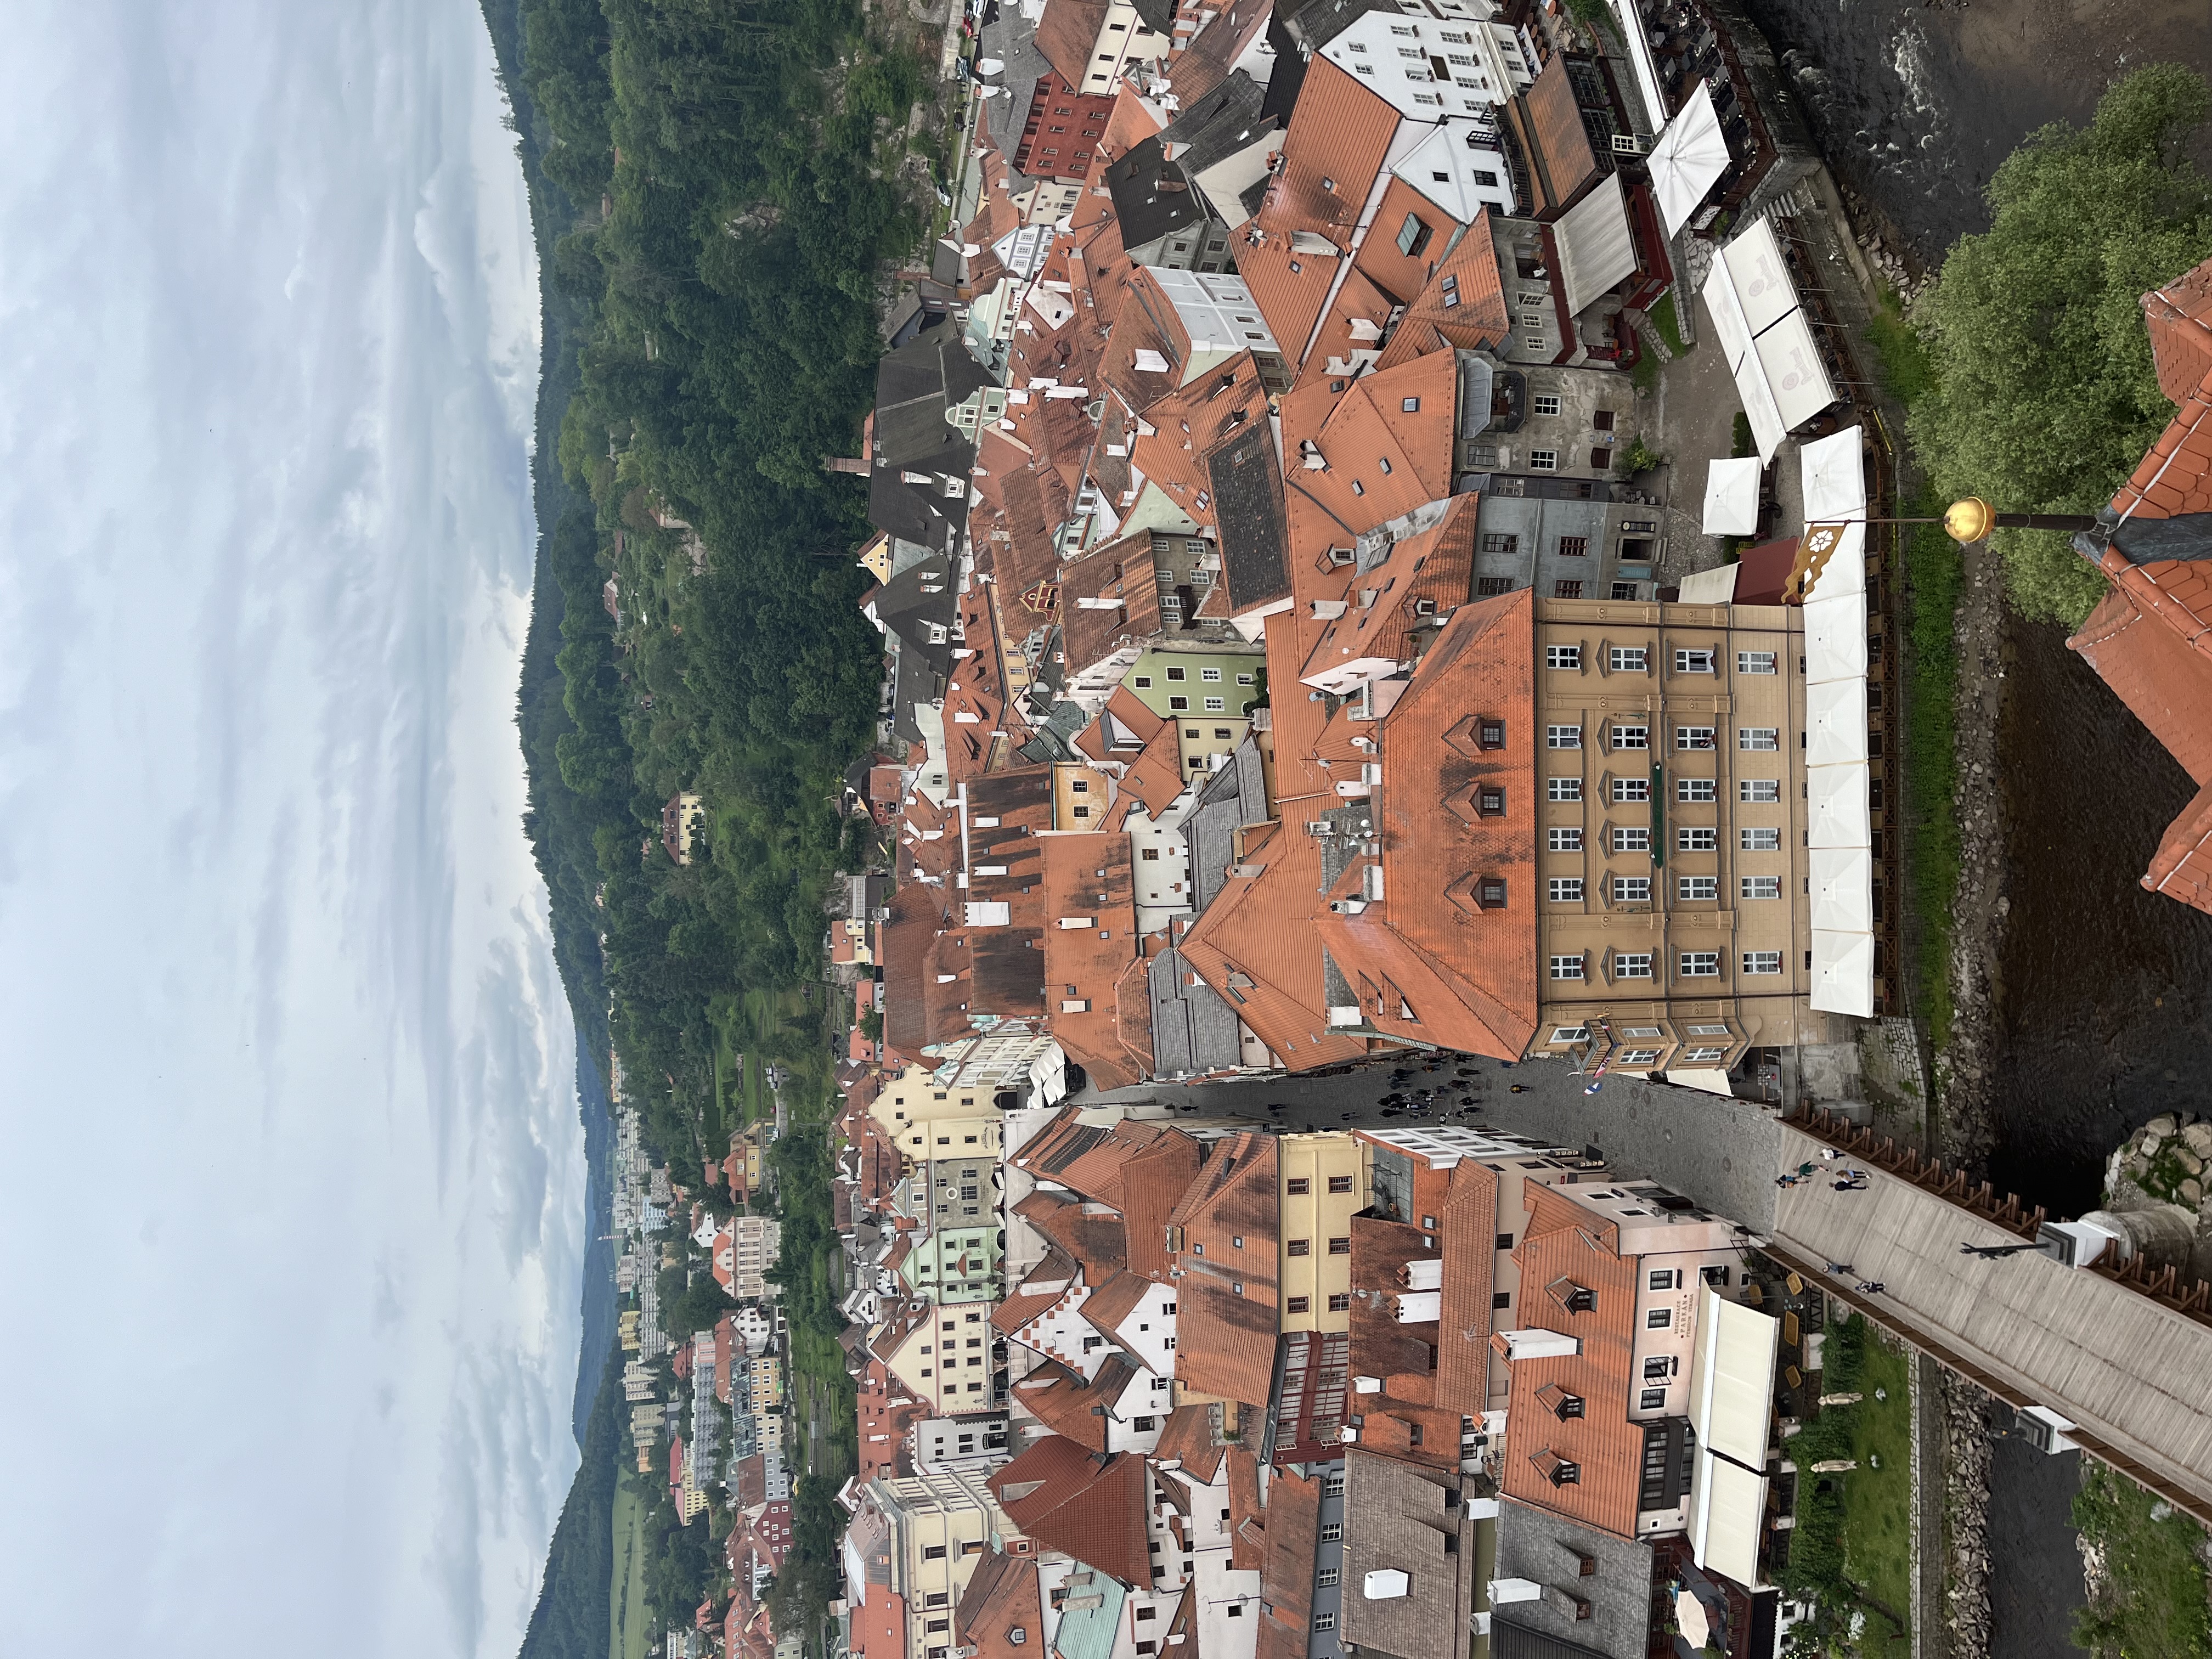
(721,192)
(570,1619)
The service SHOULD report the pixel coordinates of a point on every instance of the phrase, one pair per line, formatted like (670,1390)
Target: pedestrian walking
(1839,1268)
(1830,1153)
(1868,1287)
(1850,1186)
(1518,1088)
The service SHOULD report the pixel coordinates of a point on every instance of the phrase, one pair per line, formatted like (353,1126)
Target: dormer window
(1559,1471)
(1557,1402)
(1573,1298)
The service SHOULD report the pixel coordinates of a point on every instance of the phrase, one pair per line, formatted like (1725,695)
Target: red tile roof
(1087,878)
(1090,1234)
(1058,1398)
(1435,570)
(1383,458)
(2151,638)
(1462,307)
(1000,1613)
(1154,1181)
(1082,1505)
(2180,337)
(1606,1447)
(1066,32)
(1191,1437)
(1454,972)
(1339,136)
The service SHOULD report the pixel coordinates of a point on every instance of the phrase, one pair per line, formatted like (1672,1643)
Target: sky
(294,1214)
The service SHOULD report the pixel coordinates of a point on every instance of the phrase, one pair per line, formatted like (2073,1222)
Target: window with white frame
(1324,1621)
(1567,889)
(1632,737)
(1543,460)
(1629,659)
(1632,789)
(1563,788)
(1759,792)
(1710,1030)
(1566,840)
(1693,789)
(1693,889)
(1758,739)
(1632,838)
(1704,1056)
(1547,403)
(1761,887)
(1569,1034)
(1754,662)
(1217,706)
(1697,839)
(1632,964)
(1563,656)
(1762,962)
(1563,737)
(1632,890)
(1637,1057)
(1693,662)
(1699,965)
(1567,967)
(1210,675)
(1761,841)
(1693,737)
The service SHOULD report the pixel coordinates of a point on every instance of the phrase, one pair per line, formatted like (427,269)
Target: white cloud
(297,1206)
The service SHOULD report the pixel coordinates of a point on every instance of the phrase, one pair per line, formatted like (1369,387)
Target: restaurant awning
(1597,249)
(1731,1411)
(1732,496)
(1688,158)
(1837,814)
(1766,337)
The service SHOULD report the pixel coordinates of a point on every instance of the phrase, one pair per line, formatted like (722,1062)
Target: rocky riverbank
(1966,1461)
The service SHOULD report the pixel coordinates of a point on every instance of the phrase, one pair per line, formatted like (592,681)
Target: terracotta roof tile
(1380,1345)
(1153,1183)
(1061,1400)
(1192,1438)
(1090,1234)
(1001,1599)
(1225,1343)
(1383,460)
(2180,339)
(1398,273)
(1114,1301)
(1467,1240)
(1564,160)
(1065,32)
(1291,287)
(1119,570)
(1467,973)
(1248,1536)
(1293,1546)
(1424,579)
(2183,866)
(1090,1507)
(1604,1446)
(1339,138)
(1087,878)
(1189,424)
(1462,307)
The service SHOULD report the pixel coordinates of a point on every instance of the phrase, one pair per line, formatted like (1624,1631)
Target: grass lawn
(1878,1501)
(629,1634)
(2155,1607)
(1669,325)
(1933,575)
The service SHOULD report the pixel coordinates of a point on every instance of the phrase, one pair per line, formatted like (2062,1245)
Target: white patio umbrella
(1732,496)
(1688,158)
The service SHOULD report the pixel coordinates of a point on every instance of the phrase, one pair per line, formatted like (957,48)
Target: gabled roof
(1151,197)
(1462,306)
(2180,335)
(1044,1289)
(1437,965)
(1225,1343)
(1204,63)
(1091,1235)
(1120,571)
(1192,1438)
(1606,1448)
(1089,1158)
(1001,1598)
(1550,116)
(1153,1182)
(1087,878)
(1058,1398)
(1339,136)
(1435,568)
(1383,458)
(1065,32)
(1086,1505)
(1114,1301)
(1246,477)
(1188,424)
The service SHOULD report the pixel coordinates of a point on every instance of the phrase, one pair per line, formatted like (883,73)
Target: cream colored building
(933,1529)
(1671,865)
(926,1120)
(1321,1178)
(943,1358)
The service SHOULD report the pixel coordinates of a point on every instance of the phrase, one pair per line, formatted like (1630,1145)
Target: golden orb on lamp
(1969,521)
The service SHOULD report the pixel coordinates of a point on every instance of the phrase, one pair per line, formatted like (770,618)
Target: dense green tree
(2044,399)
